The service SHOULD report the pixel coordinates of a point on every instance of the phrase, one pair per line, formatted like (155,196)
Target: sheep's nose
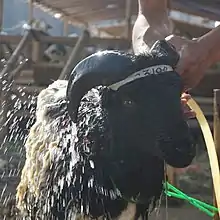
(176,145)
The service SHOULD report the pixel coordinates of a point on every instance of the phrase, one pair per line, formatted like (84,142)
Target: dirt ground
(182,213)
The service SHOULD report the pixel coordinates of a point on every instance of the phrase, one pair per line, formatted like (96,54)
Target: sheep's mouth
(173,150)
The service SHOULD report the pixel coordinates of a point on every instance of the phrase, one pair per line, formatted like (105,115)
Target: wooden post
(217,133)
(65,27)
(36,51)
(128,15)
(30,11)
(171,175)
(29,49)
(74,56)
(172,179)
(1,14)
(1,26)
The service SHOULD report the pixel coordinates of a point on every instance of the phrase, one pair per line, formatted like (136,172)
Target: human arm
(196,56)
(152,24)
(210,42)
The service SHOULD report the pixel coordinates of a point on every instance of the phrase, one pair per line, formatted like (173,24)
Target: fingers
(185,98)
(188,113)
(177,41)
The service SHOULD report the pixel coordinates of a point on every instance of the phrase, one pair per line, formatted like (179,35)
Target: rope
(210,145)
(171,191)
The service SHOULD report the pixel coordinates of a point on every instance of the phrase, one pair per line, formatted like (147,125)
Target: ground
(183,213)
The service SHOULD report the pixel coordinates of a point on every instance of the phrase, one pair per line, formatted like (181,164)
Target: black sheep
(119,123)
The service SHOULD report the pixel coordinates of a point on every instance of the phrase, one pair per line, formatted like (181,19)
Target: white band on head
(140,74)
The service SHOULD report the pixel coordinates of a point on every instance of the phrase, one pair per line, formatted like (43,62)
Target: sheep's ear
(166,50)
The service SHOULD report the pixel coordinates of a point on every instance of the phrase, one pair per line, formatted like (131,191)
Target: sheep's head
(142,97)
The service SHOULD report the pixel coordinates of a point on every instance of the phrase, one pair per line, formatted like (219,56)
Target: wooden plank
(204,100)
(47,65)
(69,41)
(15,39)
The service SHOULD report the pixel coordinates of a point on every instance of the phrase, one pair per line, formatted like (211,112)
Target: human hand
(192,64)
(188,113)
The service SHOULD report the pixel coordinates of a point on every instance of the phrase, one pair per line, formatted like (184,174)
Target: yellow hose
(210,145)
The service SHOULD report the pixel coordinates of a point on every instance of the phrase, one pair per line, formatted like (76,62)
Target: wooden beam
(12,60)
(73,20)
(69,41)
(52,10)
(47,65)
(74,56)
(217,133)
(15,39)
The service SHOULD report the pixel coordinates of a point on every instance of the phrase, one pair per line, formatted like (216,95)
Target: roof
(83,13)
(88,10)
